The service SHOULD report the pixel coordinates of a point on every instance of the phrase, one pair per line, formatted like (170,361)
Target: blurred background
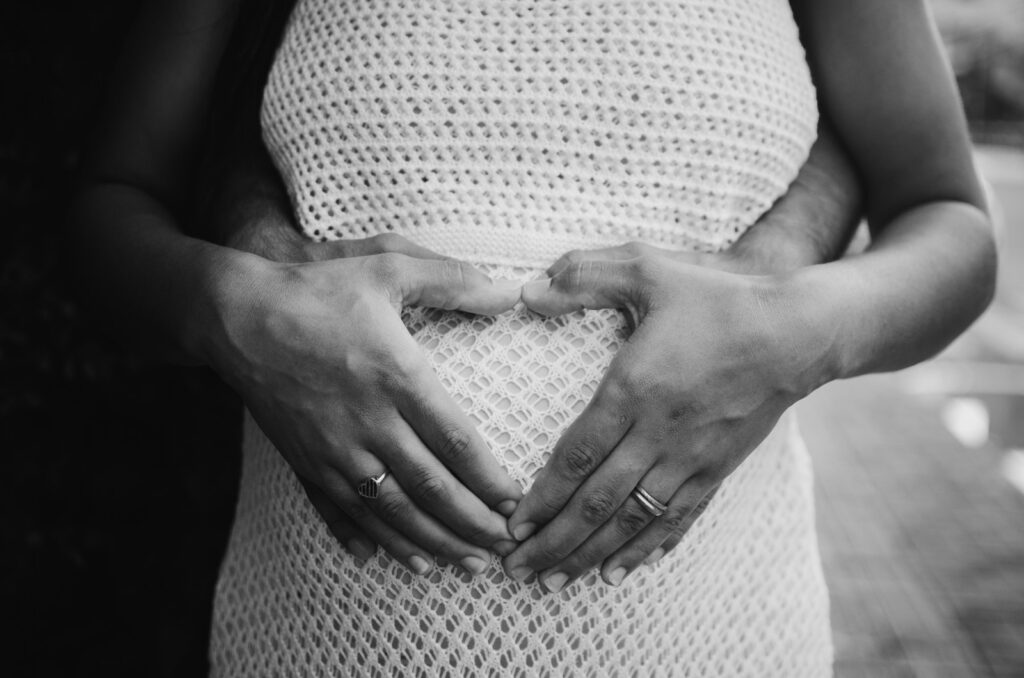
(119,476)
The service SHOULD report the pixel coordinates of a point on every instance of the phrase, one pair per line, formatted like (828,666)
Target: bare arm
(931,267)
(717,357)
(317,351)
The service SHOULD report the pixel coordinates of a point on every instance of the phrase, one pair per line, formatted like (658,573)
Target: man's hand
(321,358)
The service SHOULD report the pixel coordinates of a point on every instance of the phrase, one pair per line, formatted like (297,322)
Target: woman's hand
(702,380)
(321,358)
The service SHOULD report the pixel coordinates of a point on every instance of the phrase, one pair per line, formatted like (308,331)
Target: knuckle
(455,446)
(674,520)
(455,272)
(634,385)
(631,519)
(430,488)
(580,459)
(598,506)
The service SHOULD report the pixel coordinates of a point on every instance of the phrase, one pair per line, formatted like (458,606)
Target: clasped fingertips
(523,531)
(507,507)
(504,548)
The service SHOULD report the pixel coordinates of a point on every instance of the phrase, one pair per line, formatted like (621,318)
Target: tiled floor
(922,539)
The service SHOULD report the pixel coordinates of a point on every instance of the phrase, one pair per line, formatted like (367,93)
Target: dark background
(119,475)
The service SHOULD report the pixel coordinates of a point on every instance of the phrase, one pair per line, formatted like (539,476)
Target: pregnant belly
(521,377)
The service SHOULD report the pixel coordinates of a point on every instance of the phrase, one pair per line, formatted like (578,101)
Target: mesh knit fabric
(506,132)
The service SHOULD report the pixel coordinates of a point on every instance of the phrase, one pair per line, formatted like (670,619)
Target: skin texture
(716,357)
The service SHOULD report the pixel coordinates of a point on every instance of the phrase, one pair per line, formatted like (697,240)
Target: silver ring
(648,502)
(369,487)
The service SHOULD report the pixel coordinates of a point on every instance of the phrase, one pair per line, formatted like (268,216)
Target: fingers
(677,536)
(590,284)
(339,524)
(630,250)
(598,519)
(404,529)
(437,491)
(448,283)
(339,493)
(448,432)
(579,452)
(663,535)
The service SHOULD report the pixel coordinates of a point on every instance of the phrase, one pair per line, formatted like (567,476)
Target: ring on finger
(648,502)
(369,487)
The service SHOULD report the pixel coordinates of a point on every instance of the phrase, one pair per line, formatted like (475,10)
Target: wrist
(230,291)
(807,334)
(270,236)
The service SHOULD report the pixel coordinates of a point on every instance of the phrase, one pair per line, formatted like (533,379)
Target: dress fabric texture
(506,132)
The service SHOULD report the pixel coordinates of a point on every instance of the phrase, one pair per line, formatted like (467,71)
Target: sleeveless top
(506,132)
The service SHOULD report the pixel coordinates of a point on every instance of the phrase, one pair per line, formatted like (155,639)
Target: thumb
(453,285)
(588,284)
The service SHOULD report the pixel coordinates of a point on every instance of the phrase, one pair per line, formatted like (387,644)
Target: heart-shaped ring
(369,487)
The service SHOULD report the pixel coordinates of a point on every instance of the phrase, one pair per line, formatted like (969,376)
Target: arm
(317,351)
(931,267)
(744,348)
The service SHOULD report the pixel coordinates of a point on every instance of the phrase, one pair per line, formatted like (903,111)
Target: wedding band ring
(369,487)
(648,502)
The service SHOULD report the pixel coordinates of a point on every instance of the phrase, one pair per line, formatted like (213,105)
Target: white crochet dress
(506,132)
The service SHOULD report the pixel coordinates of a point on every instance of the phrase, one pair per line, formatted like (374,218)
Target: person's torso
(509,131)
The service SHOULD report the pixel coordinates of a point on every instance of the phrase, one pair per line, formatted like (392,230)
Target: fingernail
(474,565)
(523,530)
(615,578)
(507,507)
(360,549)
(419,565)
(521,573)
(655,556)
(556,581)
(503,548)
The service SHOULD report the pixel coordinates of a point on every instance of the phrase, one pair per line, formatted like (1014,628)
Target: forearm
(156,288)
(814,221)
(250,210)
(924,279)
